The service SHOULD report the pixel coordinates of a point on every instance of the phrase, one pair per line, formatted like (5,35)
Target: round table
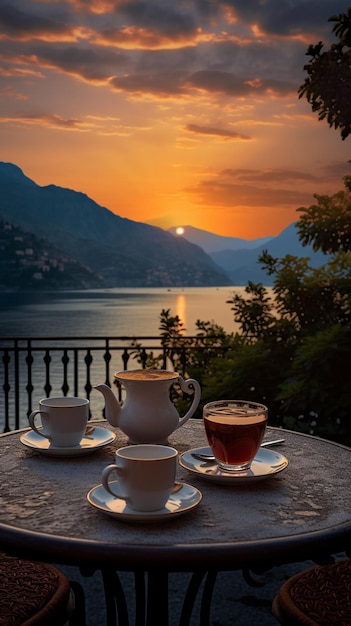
(301,513)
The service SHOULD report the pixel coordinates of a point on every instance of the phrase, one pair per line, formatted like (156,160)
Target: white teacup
(64,420)
(146,475)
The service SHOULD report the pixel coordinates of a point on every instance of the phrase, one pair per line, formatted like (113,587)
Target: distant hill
(121,251)
(243,265)
(211,243)
(239,257)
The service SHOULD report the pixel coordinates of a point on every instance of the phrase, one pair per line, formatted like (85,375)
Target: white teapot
(147,414)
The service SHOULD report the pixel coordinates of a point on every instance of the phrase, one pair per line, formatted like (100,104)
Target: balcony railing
(36,367)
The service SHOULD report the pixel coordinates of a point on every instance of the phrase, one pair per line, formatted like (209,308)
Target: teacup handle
(190,386)
(31,420)
(106,472)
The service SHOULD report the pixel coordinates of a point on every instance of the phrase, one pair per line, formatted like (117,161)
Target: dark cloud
(227,83)
(168,19)
(275,187)
(338,168)
(52,121)
(29,20)
(215,132)
(90,63)
(168,47)
(270,175)
(220,193)
(87,62)
(159,84)
(285,17)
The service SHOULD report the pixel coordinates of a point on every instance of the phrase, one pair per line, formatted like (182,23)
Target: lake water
(99,313)
(112,312)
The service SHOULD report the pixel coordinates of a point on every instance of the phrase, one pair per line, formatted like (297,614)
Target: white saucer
(183,498)
(99,437)
(266,463)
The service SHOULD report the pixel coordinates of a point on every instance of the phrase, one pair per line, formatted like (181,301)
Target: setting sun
(180,230)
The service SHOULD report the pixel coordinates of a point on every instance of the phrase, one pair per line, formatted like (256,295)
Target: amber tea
(235,430)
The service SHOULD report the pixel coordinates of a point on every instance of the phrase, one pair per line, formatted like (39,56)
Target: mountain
(243,265)
(27,263)
(239,257)
(210,242)
(121,251)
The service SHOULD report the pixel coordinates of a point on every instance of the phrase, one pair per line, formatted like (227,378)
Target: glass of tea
(235,430)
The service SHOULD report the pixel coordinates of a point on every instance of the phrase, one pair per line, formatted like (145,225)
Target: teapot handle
(190,386)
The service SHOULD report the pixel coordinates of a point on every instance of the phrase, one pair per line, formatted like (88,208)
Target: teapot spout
(112,406)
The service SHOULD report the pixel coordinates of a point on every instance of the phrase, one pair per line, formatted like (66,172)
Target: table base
(151,598)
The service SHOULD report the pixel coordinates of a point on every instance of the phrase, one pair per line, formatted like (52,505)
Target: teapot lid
(146,375)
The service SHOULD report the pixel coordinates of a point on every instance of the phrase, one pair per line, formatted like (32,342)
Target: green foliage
(293,348)
(327,224)
(328,84)
(254,314)
(319,391)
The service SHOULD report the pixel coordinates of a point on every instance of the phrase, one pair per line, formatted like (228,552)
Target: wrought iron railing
(36,367)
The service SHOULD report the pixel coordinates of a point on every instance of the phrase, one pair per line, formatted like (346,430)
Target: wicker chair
(37,594)
(319,596)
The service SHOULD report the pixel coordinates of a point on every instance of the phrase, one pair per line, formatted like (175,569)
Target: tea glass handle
(31,420)
(106,472)
(190,386)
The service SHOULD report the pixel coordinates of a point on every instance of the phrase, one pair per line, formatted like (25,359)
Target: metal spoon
(203,456)
(274,442)
(89,431)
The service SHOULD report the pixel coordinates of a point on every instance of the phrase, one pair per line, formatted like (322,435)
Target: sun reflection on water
(181,308)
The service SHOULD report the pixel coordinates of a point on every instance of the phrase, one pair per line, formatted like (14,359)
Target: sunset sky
(171,112)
